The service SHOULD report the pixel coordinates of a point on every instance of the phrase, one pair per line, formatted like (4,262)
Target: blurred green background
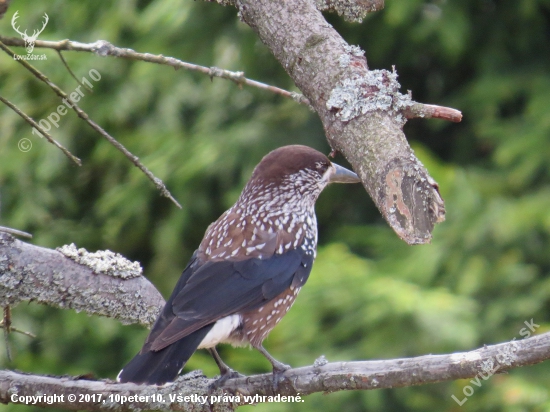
(370,295)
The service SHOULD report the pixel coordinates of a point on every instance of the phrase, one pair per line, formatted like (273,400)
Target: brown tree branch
(480,364)
(104,284)
(362,111)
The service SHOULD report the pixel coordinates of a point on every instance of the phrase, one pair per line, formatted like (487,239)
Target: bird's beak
(342,175)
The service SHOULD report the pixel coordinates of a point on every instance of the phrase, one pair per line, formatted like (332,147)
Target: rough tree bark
(100,284)
(362,111)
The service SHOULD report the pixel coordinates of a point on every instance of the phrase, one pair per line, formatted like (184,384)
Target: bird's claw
(278,372)
(224,377)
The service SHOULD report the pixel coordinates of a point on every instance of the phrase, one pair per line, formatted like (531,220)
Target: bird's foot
(278,371)
(224,377)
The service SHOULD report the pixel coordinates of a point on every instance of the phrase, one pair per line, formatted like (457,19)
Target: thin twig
(104,48)
(48,137)
(71,72)
(84,116)
(15,232)
(431,111)
(15,330)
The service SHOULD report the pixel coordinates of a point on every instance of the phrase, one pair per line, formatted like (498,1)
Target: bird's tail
(157,368)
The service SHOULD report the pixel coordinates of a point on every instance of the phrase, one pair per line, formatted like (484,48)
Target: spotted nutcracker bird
(247,271)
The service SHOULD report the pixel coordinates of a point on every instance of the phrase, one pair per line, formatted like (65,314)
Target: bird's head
(298,170)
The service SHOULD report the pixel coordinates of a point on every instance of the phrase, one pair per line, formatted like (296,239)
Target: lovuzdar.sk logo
(30,40)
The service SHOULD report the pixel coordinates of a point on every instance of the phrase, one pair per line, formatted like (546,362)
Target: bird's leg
(278,367)
(225,371)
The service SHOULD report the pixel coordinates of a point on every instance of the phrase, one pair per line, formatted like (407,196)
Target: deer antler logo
(29,40)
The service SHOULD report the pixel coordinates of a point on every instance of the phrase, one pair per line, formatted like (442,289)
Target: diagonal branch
(48,137)
(191,392)
(84,116)
(362,111)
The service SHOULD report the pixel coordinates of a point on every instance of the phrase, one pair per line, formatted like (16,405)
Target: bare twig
(15,330)
(48,137)
(295,383)
(15,232)
(104,48)
(84,116)
(71,72)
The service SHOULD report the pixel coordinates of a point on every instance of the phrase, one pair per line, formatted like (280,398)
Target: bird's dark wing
(215,289)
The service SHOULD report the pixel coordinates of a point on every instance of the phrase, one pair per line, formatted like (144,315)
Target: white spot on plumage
(221,330)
